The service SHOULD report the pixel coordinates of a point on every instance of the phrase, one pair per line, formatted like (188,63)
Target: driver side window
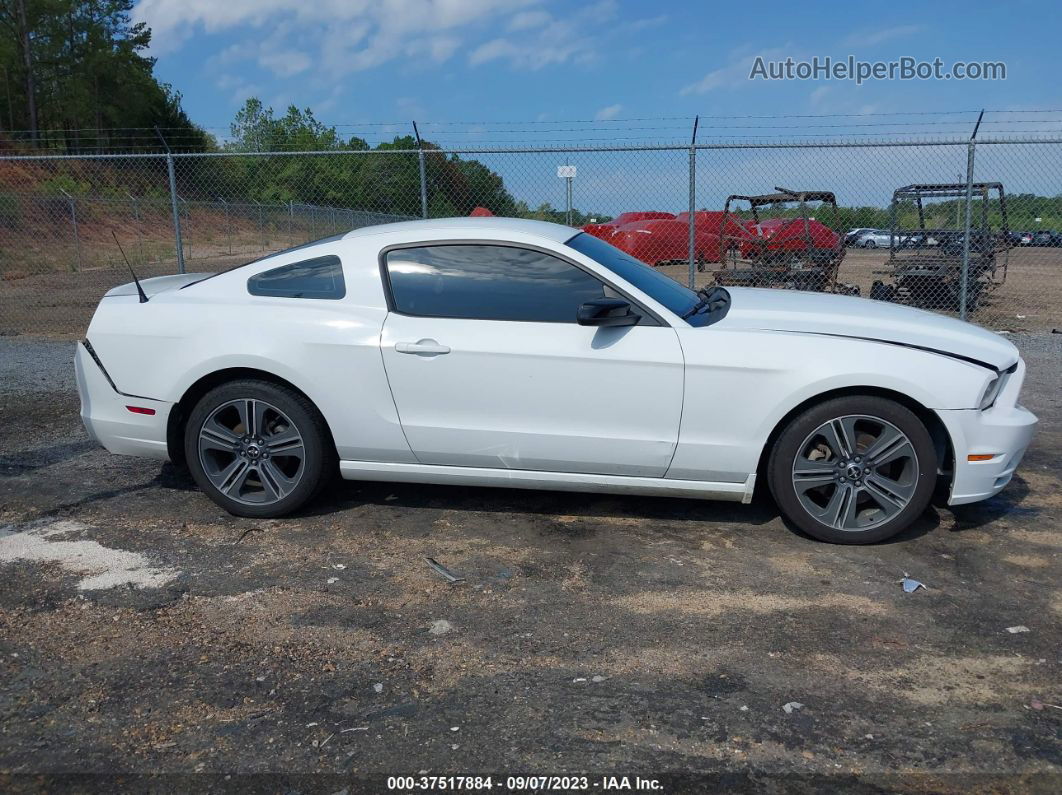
(488,282)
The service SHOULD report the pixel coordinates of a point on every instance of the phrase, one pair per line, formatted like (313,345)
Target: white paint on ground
(64,542)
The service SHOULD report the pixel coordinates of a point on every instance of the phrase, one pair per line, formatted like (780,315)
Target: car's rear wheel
(853,470)
(869,244)
(257,449)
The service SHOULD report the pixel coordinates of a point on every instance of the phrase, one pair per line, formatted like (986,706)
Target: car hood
(158,284)
(861,318)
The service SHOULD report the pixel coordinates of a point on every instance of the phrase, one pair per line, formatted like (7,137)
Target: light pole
(567,173)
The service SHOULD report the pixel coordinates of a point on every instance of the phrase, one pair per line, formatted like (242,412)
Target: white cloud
(537,52)
(735,74)
(237,88)
(285,63)
(342,35)
(869,38)
(491,50)
(548,41)
(529,19)
(609,112)
(442,47)
(646,23)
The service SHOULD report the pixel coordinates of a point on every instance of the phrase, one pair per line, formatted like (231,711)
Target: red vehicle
(603,231)
(712,221)
(777,235)
(606,230)
(659,241)
(630,218)
(795,252)
(736,229)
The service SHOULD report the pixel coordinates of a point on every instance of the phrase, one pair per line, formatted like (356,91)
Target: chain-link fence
(962,227)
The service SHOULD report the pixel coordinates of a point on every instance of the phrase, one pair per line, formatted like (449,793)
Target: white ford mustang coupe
(501,352)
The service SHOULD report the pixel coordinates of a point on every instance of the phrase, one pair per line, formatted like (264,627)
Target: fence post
(261,227)
(693,203)
(73,219)
(964,274)
(423,175)
(291,219)
(176,213)
(173,201)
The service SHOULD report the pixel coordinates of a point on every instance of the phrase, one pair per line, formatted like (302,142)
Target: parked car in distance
(883,238)
(1025,238)
(523,354)
(1046,238)
(852,236)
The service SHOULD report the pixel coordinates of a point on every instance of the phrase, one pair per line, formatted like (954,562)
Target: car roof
(470,227)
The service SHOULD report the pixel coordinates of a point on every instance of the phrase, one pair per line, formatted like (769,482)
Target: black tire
(316,468)
(783,457)
(869,244)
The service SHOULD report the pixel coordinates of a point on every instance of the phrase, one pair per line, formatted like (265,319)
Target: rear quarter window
(320,278)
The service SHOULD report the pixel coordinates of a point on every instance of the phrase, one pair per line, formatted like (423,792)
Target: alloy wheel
(251,451)
(856,472)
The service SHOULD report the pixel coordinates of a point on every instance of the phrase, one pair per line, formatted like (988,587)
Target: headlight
(992,391)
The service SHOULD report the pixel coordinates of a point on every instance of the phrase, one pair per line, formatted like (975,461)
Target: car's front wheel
(257,448)
(853,470)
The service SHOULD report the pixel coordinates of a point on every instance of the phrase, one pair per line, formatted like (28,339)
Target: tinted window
(488,283)
(320,277)
(668,292)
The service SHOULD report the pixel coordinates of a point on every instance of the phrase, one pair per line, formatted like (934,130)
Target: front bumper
(1003,431)
(107,418)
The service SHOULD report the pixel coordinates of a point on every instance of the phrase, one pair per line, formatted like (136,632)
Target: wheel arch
(937,432)
(178,418)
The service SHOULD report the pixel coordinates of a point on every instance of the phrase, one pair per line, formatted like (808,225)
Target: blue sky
(465,68)
(490,60)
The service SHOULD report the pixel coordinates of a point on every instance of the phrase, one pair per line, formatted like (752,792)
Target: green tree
(387,181)
(76,69)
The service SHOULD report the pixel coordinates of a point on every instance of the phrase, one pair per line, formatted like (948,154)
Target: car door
(489,368)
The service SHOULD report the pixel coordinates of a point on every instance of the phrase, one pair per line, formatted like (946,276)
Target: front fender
(741,384)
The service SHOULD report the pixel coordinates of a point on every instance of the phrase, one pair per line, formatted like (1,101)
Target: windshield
(656,285)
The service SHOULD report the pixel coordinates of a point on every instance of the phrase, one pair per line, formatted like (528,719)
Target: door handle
(422,348)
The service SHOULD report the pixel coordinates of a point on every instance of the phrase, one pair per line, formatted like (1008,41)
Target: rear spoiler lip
(156,285)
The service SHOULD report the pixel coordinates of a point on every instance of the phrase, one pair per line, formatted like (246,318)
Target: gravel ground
(148,635)
(34,366)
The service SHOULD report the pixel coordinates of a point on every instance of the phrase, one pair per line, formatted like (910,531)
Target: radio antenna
(136,281)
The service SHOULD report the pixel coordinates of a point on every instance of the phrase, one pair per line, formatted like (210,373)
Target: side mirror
(607,312)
